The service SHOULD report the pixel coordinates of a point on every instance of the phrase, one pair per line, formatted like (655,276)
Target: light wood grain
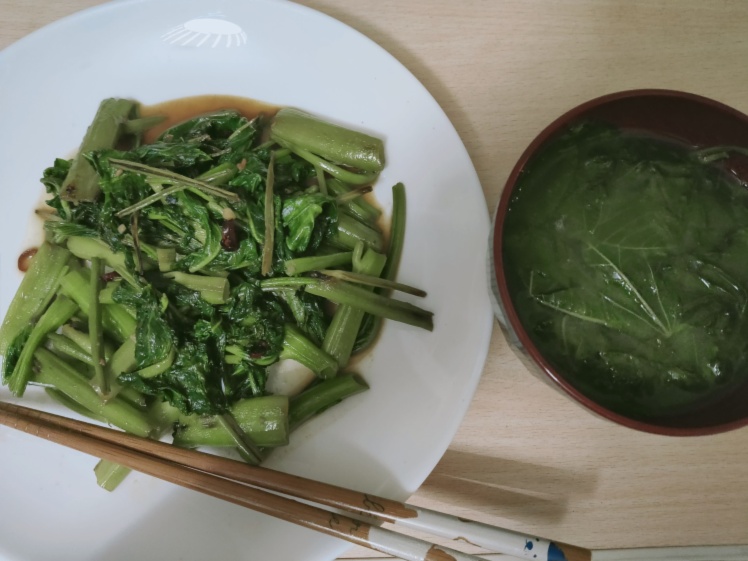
(525,457)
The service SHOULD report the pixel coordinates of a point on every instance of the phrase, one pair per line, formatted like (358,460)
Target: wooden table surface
(524,457)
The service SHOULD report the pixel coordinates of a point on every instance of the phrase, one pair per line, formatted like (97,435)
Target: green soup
(627,262)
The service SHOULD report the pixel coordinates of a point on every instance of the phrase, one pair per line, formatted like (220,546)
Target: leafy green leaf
(154,338)
(171,155)
(626,258)
(192,384)
(299,216)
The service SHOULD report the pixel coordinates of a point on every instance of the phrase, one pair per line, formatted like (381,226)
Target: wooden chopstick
(243,484)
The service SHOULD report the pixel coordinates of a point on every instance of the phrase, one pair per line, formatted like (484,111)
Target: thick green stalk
(80,338)
(108,126)
(95,330)
(397,232)
(332,142)
(269,237)
(38,287)
(77,345)
(220,174)
(110,475)
(352,195)
(340,337)
(359,207)
(245,445)
(73,405)
(298,347)
(322,396)
(264,419)
(343,174)
(141,124)
(321,179)
(130,395)
(317,262)
(55,372)
(106,294)
(342,292)
(214,290)
(345,293)
(372,324)
(60,311)
(123,359)
(372,281)
(94,248)
(117,321)
(352,231)
(167,258)
(65,347)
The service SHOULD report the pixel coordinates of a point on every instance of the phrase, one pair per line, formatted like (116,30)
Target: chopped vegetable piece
(264,419)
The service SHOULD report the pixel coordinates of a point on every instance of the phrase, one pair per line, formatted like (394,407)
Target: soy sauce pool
(627,262)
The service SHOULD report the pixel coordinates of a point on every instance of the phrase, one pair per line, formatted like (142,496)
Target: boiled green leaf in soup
(627,261)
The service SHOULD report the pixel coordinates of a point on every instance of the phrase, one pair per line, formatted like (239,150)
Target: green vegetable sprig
(178,273)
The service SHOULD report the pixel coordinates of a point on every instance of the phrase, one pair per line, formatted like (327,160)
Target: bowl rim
(505,301)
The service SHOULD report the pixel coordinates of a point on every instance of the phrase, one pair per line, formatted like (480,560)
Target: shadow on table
(507,488)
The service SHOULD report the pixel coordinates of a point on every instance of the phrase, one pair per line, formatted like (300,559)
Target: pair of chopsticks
(256,487)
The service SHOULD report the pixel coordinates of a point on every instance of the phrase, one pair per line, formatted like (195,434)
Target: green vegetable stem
(346,322)
(38,286)
(341,292)
(322,396)
(107,128)
(357,207)
(352,231)
(60,311)
(51,371)
(117,321)
(264,419)
(301,265)
(336,144)
(298,347)
(372,324)
(214,290)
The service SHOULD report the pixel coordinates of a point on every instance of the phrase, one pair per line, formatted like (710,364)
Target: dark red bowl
(681,116)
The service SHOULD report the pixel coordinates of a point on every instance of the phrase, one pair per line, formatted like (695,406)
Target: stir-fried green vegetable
(178,275)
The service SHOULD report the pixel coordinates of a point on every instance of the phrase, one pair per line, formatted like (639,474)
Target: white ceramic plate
(384,441)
